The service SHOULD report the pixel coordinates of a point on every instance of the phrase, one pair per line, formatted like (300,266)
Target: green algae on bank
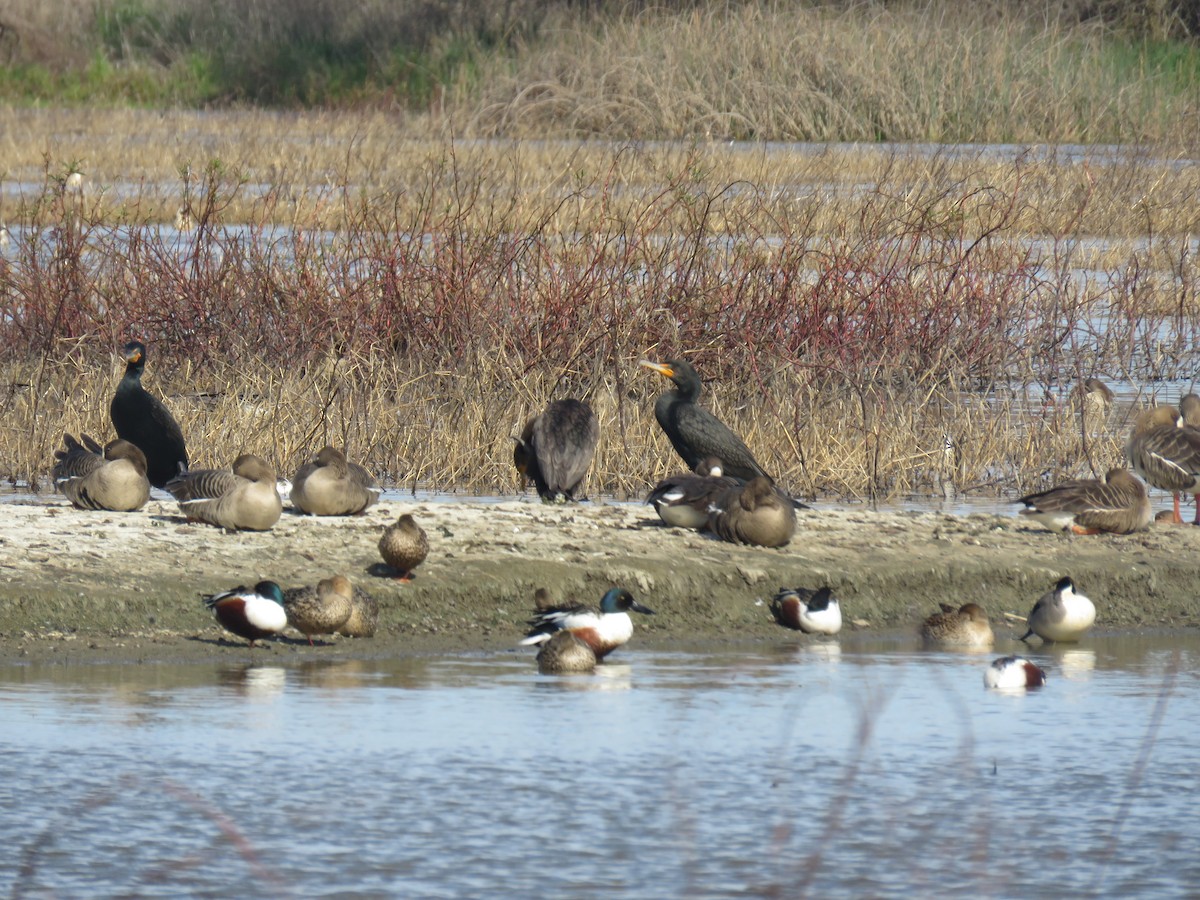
(129,584)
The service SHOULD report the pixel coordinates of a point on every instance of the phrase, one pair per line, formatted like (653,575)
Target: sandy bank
(85,585)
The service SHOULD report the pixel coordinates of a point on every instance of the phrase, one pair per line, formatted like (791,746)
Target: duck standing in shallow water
(683,501)
(112,478)
(966,626)
(1012,673)
(813,612)
(331,485)
(250,614)
(319,610)
(565,653)
(603,628)
(1118,504)
(555,449)
(143,420)
(242,498)
(1062,614)
(404,546)
(754,513)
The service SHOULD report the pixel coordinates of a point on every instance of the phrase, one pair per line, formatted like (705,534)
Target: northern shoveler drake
(319,610)
(603,628)
(556,447)
(331,485)
(250,613)
(1118,503)
(1062,614)
(564,653)
(141,418)
(112,478)
(813,612)
(1165,450)
(241,498)
(756,513)
(1014,672)
(364,615)
(966,626)
(683,501)
(404,546)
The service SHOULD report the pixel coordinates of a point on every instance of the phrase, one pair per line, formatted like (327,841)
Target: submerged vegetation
(873,322)
(1000,71)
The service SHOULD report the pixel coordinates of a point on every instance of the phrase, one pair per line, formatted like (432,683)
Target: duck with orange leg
(403,547)
(1116,504)
(1164,448)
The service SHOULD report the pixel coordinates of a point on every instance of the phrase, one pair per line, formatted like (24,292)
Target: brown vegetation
(850,310)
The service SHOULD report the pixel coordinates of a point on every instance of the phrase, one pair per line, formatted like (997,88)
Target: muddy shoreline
(123,587)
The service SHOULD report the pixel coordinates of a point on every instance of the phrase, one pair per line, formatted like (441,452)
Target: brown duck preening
(966,626)
(323,609)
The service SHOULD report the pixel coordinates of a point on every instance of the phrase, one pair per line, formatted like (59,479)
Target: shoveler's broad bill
(1062,614)
(603,628)
(251,613)
(813,612)
(1013,673)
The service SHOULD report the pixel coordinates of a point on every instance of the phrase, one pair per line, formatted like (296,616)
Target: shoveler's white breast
(264,613)
(603,631)
(822,621)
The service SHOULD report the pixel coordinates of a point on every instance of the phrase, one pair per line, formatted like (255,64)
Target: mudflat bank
(78,585)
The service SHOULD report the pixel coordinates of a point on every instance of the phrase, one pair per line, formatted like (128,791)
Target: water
(806,767)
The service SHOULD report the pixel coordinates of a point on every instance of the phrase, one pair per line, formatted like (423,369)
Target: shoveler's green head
(270,590)
(620,600)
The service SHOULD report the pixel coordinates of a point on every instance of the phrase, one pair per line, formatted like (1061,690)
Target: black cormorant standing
(142,420)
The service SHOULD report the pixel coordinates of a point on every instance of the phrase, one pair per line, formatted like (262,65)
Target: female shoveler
(1062,614)
(565,653)
(404,546)
(813,612)
(252,614)
(323,609)
(603,628)
(1011,672)
(966,626)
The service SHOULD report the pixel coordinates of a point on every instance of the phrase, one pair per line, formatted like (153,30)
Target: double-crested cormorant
(556,447)
(404,546)
(1062,614)
(319,610)
(1118,504)
(242,498)
(252,614)
(683,500)
(813,612)
(694,432)
(1165,451)
(966,626)
(112,478)
(565,653)
(754,513)
(1013,672)
(329,485)
(142,419)
(603,628)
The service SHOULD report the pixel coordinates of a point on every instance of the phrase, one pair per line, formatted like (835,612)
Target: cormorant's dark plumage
(555,448)
(695,433)
(142,420)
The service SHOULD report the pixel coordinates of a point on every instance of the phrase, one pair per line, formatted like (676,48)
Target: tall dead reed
(918,329)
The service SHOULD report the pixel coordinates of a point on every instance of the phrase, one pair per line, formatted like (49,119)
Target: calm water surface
(822,768)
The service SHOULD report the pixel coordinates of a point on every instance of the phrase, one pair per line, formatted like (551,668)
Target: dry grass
(850,309)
